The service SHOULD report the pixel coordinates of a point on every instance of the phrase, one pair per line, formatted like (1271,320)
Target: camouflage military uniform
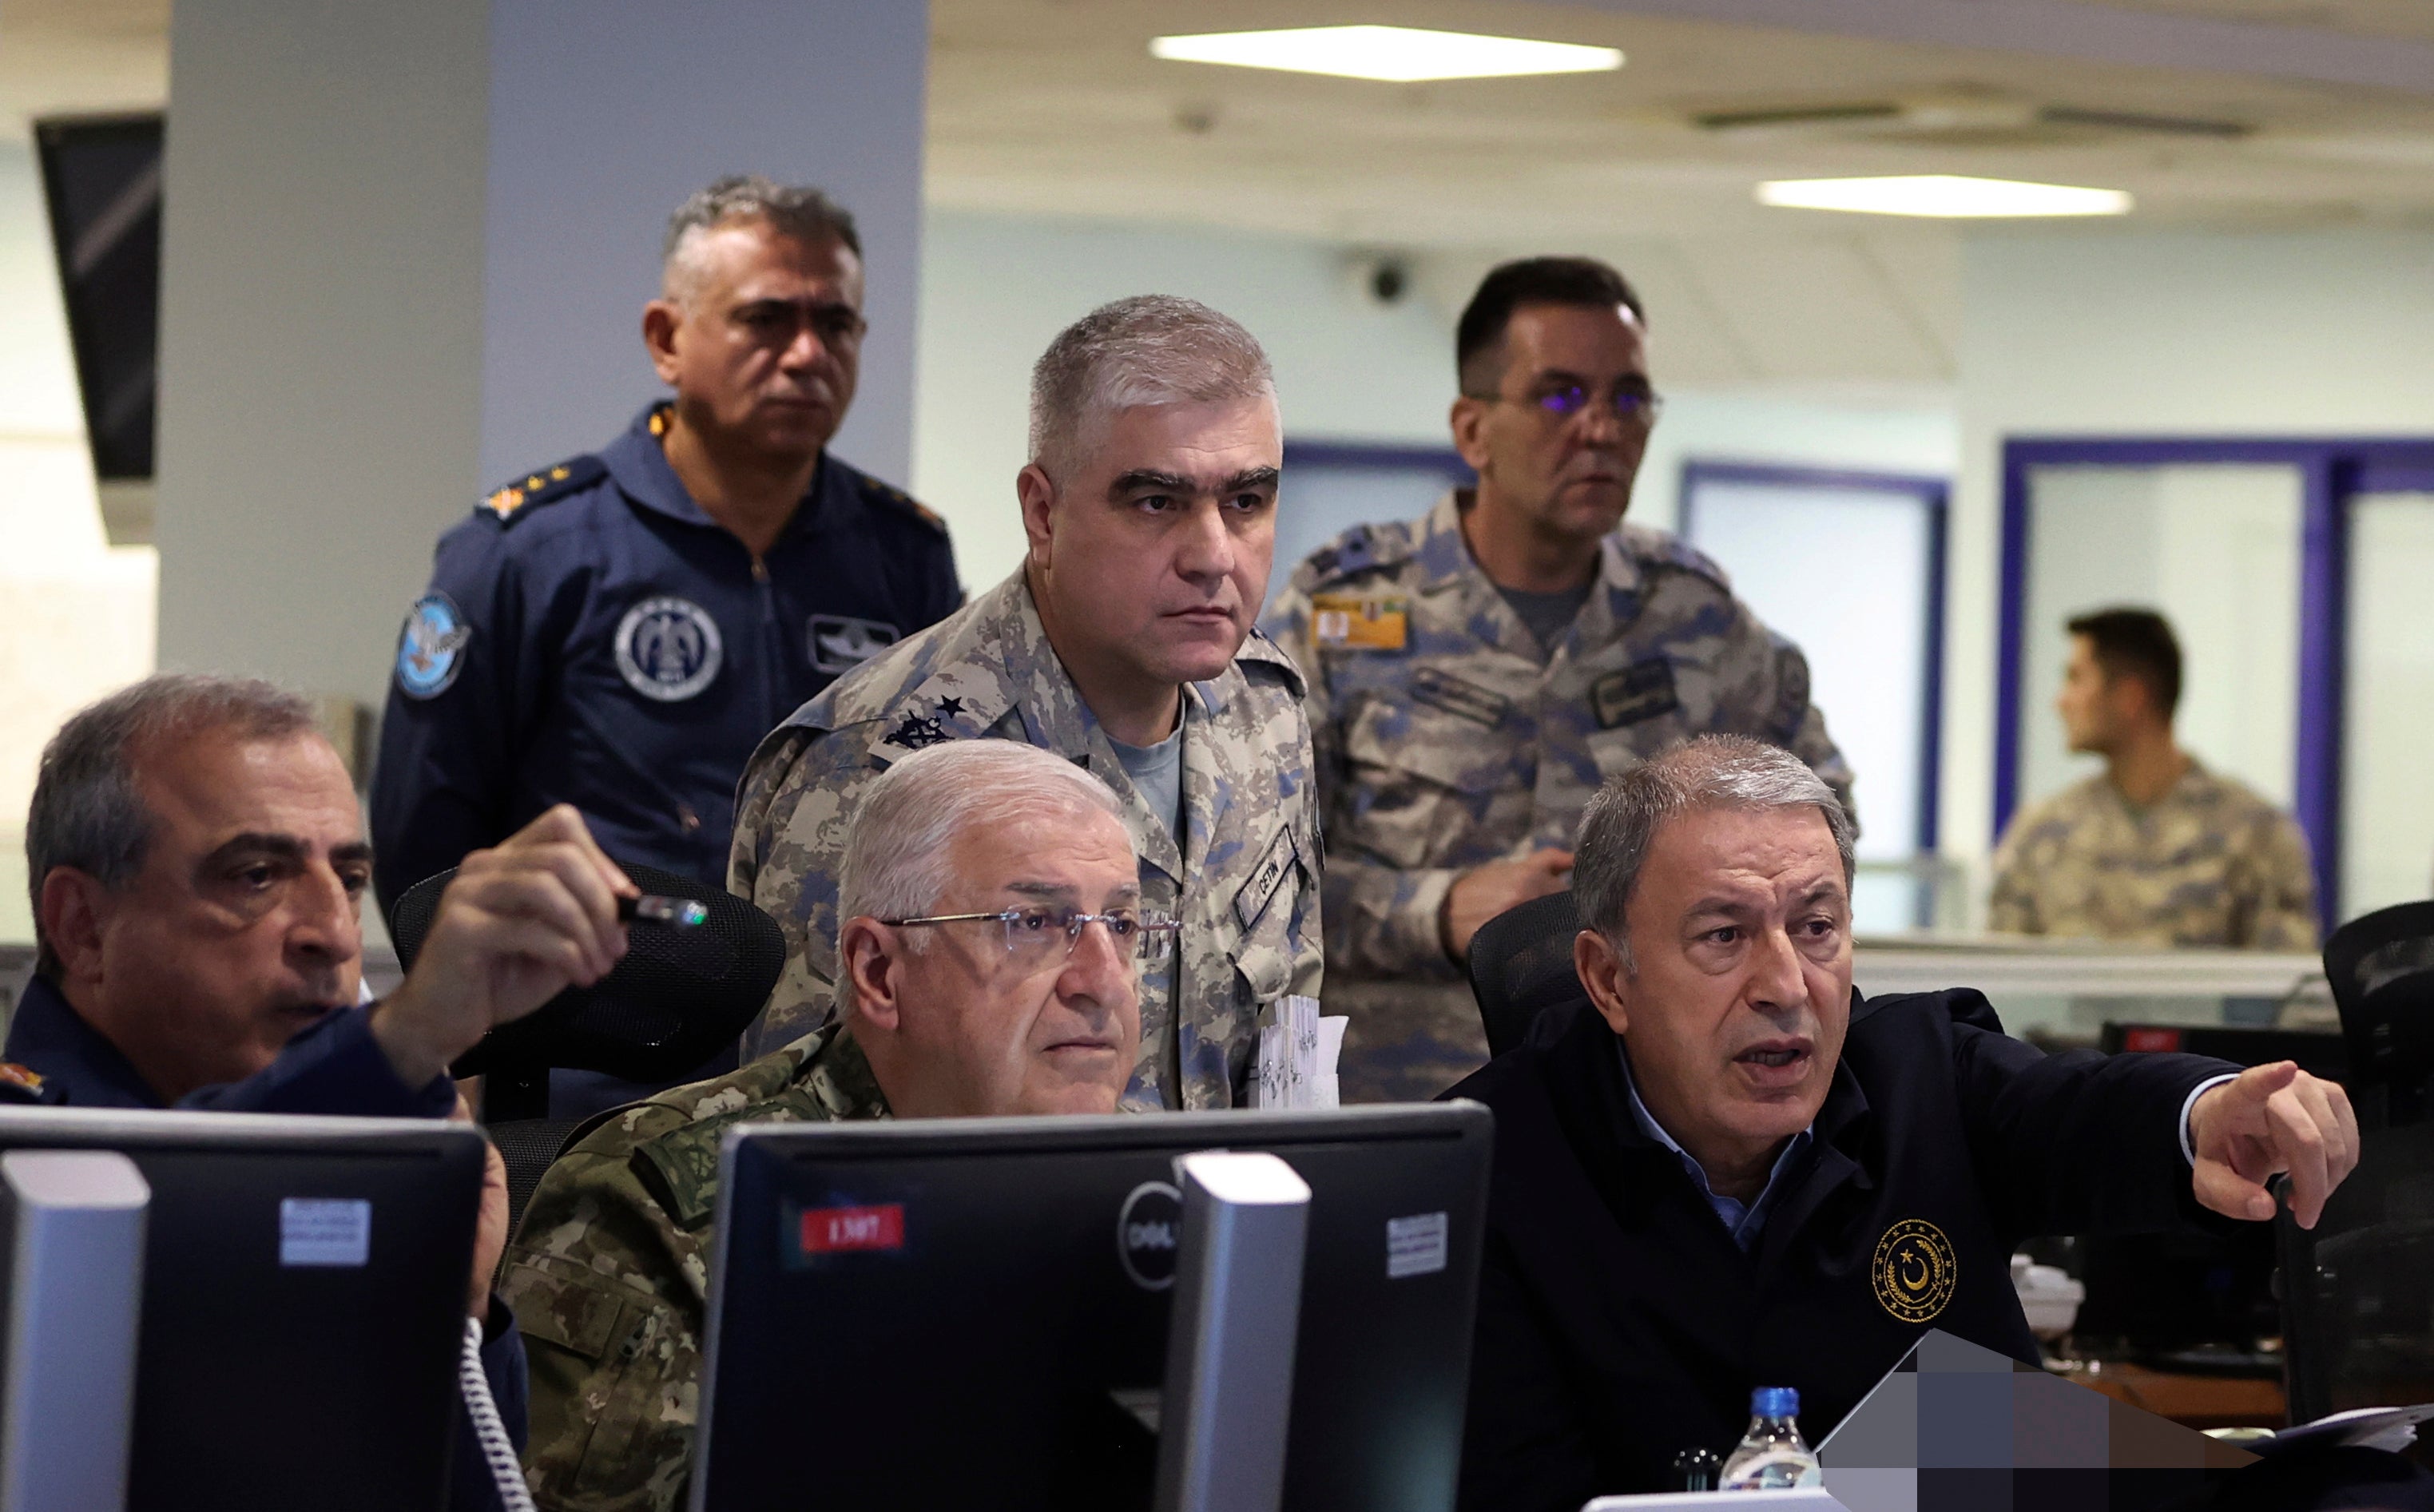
(608,1273)
(2210,863)
(1446,737)
(1249,911)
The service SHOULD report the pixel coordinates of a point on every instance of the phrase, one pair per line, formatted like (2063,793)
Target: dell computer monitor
(973,1313)
(304,1284)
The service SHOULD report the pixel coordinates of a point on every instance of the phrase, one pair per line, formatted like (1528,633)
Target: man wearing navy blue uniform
(619,631)
(197,863)
(1720,1169)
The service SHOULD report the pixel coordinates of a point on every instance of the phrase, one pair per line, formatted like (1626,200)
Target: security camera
(1380,280)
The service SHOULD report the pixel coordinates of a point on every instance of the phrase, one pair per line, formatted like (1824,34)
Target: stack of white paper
(1298,1050)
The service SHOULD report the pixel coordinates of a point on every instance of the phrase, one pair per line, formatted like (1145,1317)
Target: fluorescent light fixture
(1401,55)
(1943,195)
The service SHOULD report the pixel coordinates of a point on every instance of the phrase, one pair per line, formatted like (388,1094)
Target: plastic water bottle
(1771,1457)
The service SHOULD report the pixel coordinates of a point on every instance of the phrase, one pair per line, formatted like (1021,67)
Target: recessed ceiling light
(1401,55)
(1943,195)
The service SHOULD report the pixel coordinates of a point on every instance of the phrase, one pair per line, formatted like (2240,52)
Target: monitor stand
(72,1240)
(1229,1353)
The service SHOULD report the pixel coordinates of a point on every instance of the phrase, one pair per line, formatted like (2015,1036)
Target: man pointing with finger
(1721,1169)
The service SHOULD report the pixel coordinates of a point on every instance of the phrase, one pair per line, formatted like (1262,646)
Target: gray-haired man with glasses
(991,955)
(1476,673)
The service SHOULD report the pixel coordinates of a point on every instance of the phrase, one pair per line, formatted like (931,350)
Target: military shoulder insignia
(900,500)
(548,486)
(431,647)
(915,732)
(1914,1271)
(1377,621)
(13,1074)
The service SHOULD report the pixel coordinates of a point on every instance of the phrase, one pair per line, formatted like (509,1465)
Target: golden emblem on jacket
(1915,1270)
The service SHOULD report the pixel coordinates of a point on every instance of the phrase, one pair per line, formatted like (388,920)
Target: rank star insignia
(950,708)
(916,732)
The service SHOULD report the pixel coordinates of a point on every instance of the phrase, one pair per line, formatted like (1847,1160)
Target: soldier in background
(947,1014)
(2156,849)
(1123,642)
(1475,674)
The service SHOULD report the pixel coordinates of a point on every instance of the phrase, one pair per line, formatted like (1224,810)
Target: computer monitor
(973,1313)
(304,1304)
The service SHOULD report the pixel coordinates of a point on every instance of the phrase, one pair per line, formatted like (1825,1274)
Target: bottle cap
(1774,1401)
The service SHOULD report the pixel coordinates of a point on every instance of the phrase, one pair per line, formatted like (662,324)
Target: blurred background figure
(2156,849)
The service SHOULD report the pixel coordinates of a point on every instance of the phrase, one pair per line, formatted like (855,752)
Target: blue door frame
(2333,471)
(1936,494)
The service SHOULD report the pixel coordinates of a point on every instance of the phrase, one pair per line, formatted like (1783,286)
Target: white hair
(1152,349)
(898,845)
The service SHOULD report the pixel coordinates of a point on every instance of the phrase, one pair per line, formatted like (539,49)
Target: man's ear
(1036,492)
(1599,968)
(1468,421)
(661,319)
(867,972)
(76,909)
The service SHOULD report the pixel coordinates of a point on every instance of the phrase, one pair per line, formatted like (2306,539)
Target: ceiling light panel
(1943,196)
(1401,55)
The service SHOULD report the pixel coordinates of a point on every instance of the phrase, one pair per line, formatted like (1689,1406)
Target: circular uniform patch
(431,647)
(668,649)
(1915,1270)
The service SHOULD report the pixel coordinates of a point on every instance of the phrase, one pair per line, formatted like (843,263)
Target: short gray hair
(898,846)
(797,211)
(1711,772)
(1152,349)
(86,811)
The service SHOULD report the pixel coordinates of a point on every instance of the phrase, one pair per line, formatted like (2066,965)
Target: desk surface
(2193,1402)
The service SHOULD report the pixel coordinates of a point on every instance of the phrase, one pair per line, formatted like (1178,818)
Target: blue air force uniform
(593,636)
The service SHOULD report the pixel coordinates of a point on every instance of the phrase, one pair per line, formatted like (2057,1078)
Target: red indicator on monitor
(2150,1040)
(835,1230)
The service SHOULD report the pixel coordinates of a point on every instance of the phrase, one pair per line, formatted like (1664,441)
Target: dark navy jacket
(1617,1322)
(592,636)
(334,1068)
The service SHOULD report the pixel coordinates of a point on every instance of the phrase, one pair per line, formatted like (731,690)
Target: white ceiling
(1053,108)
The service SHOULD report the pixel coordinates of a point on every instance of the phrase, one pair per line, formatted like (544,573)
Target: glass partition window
(1849,569)
(2388,734)
(2216,550)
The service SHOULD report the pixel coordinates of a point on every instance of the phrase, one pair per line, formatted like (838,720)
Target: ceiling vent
(1958,121)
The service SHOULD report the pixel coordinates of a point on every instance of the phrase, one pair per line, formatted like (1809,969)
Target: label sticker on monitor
(1415,1245)
(843,1230)
(325,1231)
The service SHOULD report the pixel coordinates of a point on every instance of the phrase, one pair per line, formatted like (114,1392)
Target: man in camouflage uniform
(1475,674)
(1125,643)
(2156,849)
(609,1270)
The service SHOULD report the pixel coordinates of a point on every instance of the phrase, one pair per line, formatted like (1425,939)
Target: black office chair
(2358,1291)
(678,997)
(2381,966)
(1521,965)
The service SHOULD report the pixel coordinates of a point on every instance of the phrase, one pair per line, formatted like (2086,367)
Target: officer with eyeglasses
(992,949)
(1475,674)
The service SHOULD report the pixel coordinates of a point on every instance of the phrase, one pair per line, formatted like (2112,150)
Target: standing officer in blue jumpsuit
(618,630)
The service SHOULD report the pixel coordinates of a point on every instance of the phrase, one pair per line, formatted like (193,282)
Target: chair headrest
(1521,965)
(679,996)
(2381,968)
